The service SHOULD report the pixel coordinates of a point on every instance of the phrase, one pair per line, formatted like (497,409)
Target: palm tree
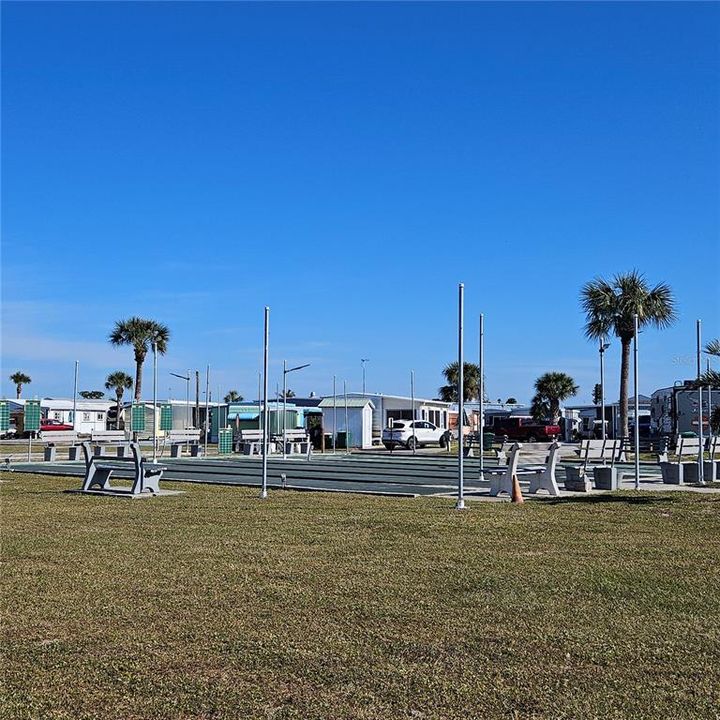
(471,382)
(142,334)
(233,396)
(19,379)
(550,390)
(610,307)
(715,421)
(711,377)
(118,381)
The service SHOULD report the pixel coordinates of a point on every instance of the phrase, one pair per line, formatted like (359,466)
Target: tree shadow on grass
(613,498)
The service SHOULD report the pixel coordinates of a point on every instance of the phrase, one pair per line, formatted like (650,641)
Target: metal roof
(352,402)
(418,400)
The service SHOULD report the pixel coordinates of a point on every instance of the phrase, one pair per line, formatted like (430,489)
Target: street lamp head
(299,367)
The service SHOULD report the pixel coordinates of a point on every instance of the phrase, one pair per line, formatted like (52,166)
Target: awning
(243,416)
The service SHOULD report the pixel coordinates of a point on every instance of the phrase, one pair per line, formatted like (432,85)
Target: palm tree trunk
(624,383)
(118,395)
(18,391)
(139,360)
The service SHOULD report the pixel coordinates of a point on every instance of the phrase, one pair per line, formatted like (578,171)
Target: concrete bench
(101,439)
(595,451)
(297,442)
(712,466)
(250,442)
(146,475)
(543,476)
(179,438)
(56,438)
(679,472)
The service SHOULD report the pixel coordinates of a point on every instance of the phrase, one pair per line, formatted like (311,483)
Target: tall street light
(603,347)
(287,370)
(362,362)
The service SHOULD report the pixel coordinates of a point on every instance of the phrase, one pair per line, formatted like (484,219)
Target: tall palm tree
(550,390)
(118,381)
(141,334)
(233,396)
(19,379)
(610,306)
(471,381)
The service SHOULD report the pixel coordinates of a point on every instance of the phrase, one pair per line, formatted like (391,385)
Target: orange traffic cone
(516,496)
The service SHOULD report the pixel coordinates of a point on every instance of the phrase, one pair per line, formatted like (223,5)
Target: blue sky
(348,165)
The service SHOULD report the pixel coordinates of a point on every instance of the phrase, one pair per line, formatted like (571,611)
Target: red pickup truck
(525,429)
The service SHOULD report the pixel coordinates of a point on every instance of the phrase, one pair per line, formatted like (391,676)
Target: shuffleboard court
(400,476)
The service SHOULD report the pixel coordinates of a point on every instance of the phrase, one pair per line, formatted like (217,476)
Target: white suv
(414,433)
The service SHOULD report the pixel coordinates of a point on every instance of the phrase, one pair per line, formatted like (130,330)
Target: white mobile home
(92,415)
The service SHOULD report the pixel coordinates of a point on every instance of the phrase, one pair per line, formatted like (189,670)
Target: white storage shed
(359,419)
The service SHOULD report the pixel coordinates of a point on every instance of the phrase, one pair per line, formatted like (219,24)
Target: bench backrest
(295,434)
(108,436)
(59,436)
(135,456)
(184,435)
(713,445)
(592,449)
(600,449)
(251,435)
(686,446)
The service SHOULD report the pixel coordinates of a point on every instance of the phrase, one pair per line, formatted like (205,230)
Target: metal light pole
(481,396)
(266,340)
(285,374)
(155,424)
(197,399)
(334,416)
(701,449)
(710,406)
(461,399)
(603,347)
(347,429)
(362,362)
(207,409)
(637,406)
(412,400)
(75,387)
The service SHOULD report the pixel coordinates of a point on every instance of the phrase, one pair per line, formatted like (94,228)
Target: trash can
(488,440)
(328,441)
(344,440)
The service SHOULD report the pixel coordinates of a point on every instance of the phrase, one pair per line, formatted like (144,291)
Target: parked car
(525,429)
(417,433)
(48,425)
(10,433)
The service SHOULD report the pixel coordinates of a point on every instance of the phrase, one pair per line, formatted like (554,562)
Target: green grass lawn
(215,604)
